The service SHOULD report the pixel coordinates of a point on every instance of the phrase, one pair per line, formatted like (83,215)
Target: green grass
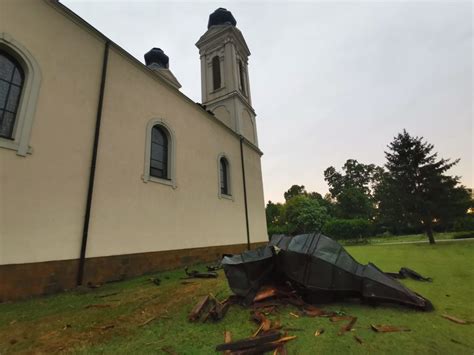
(409,238)
(39,325)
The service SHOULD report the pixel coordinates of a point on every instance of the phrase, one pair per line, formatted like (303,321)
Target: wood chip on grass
(384,328)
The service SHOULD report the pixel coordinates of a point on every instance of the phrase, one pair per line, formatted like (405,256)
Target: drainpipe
(245,191)
(90,191)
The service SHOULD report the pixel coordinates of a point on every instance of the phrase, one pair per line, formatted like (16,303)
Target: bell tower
(224,75)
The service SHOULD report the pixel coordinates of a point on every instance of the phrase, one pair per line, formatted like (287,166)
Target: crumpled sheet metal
(321,270)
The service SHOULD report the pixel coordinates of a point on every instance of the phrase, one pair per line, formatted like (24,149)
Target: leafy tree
(355,176)
(354,203)
(304,214)
(273,213)
(415,189)
(295,190)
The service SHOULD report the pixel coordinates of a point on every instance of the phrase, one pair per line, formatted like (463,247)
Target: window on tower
(242,78)
(216,72)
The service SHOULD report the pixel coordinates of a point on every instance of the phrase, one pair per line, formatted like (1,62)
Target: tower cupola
(221,17)
(159,62)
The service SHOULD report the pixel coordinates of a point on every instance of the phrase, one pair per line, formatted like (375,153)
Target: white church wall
(42,195)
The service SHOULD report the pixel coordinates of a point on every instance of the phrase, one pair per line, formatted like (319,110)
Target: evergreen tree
(415,189)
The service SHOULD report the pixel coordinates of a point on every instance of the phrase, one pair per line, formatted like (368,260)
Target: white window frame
(171,181)
(228,196)
(29,96)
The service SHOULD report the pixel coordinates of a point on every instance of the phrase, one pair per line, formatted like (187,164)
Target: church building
(107,170)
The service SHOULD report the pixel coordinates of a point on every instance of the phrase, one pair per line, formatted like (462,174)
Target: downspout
(90,191)
(245,191)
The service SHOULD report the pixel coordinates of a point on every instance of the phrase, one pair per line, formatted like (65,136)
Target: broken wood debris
(227,339)
(384,328)
(107,295)
(357,339)
(210,308)
(256,345)
(281,350)
(319,332)
(214,267)
(194,274)
(339,318)
(456,320)
(101,305)
(347,327)
(155,280)
(265,293)
(105,327)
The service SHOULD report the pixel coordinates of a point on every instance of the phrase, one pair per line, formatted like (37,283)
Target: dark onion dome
(158,57)
(221,17)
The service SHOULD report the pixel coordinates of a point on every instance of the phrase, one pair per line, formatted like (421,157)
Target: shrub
(276,229)
(348,228)
(464,224)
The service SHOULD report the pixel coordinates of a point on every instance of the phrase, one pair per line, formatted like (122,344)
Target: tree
(356,176)
(273,212)
(354,203)
(295,190)
(304,214)
(415,189)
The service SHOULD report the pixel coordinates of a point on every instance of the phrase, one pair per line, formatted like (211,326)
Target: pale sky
(329,80)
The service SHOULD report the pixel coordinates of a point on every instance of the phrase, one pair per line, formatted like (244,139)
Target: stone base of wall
(19,281)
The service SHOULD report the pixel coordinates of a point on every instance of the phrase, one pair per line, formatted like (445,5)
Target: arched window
(224,176)
(216,72)
(12,77)
(20,81)
(159,153)
(242,78)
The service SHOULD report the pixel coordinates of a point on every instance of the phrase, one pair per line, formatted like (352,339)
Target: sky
(330,81)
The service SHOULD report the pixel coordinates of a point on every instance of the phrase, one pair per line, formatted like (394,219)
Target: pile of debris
(320,270)
(271,334)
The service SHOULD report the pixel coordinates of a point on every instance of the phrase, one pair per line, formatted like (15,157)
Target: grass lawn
(421,237)
(64,323)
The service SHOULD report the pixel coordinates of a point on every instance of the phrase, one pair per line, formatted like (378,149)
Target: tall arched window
(12,77)
(159,153)
(242,78)
(216,72)
(224,176)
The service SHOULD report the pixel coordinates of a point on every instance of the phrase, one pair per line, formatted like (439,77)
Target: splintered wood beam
(196,311)
(249,342)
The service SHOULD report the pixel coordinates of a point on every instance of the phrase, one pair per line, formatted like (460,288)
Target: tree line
(411,193)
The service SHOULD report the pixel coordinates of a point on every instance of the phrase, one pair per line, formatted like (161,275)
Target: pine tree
(415,189)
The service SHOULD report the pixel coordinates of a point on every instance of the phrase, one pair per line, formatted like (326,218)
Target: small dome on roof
(158,57)
(221,17)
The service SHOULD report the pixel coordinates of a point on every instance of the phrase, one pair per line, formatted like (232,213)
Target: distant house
(107,170)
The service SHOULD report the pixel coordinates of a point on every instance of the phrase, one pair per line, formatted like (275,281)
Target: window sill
(227,197)
(217,90)
(12,145)
(160,181)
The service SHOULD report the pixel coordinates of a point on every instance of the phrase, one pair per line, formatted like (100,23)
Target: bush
(464,224)
(276,229)
(348,228)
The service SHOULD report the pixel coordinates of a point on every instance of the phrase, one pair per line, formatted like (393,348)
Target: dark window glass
(216,72)
(159,153)
(11,84)
(224,169)
(242,78)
